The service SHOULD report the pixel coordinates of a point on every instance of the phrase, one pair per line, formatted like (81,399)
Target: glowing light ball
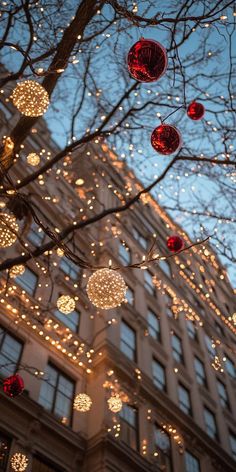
(106,289)
(115,404)
(16,270)
(175,243)
(13,386)
(66,304)
(8,228)
(82,402)
(166,139)
(195,111)
(19,462)
(234,318)
(30,98)
(147,60)
(60,252)
(33,159)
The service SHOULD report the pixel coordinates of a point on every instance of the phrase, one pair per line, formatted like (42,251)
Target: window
(71,320)
(165,267)
(159,376)
(210,348)
(10,353)
(36,235)
(200,372)
(230,367)
(57,394)
(154,326)
(192,464)
(232,440)
(191,330)
(5,444)
(224,399)
(139,238)
(184,400)
(40,464)
(210,423)
(124,253)
(148,283)
(69,268)
(128,341)
(129,427)
(27,281)
(130,296)
(177,349)
(169,303)
(163,448)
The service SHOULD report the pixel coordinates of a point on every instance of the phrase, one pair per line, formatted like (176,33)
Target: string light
(115,403)
(16,270)
(82,402)
(19,462)
(106,289)
(33,159)
(30,98)
(8,228)
(66,304)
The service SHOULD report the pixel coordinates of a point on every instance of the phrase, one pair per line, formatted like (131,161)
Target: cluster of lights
(16,271)
(115,403)
(30,98)
(19,462)
(106,289)
(82,403)
(66,304)
(175,435)
(33,159)
(54,333)
(8,230)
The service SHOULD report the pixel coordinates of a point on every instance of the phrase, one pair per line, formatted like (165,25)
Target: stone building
(168,352)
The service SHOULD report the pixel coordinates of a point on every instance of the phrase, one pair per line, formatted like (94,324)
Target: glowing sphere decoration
(234,318)
(16,270)
(33,159)
(106,289)
(13,386)
(147,60)
(19,462)
(166,139)
(8,228)
(175,243)
(115,403)
(195,111)
(66,304)
(30,98)
(82,402)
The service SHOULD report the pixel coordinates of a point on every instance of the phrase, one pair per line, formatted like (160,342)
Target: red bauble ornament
(147,60)
(195,111)
(175,243)
(13,386)
(166,139)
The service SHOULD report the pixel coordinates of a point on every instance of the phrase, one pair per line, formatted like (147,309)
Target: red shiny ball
(166,139)
(13,386)
(195,111)
(175,243)
(147,60)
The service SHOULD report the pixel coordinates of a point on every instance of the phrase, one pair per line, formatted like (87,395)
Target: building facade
(168,352)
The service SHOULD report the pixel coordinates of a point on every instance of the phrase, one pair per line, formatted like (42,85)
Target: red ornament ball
(175,243)
(147,60)
(13,386)
(166,139)
(195,111)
